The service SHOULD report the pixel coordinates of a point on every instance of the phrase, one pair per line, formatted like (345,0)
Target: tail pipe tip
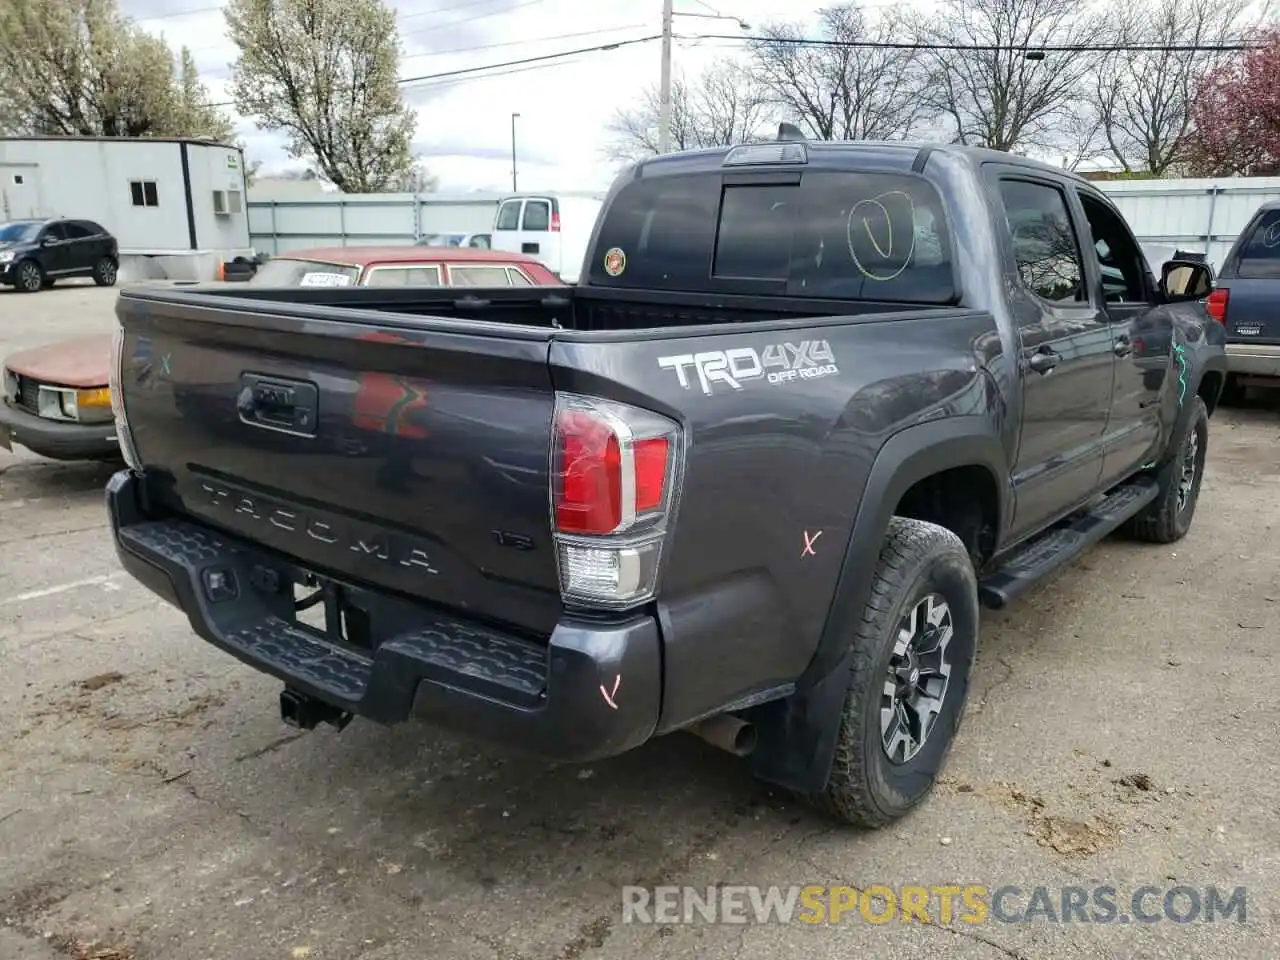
(727,732)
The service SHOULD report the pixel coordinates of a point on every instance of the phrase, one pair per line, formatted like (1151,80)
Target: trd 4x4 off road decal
(777,363)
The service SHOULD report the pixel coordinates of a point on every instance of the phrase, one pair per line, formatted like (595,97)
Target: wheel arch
(799,734)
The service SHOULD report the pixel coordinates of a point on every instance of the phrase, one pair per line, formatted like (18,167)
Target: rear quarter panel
(775,473)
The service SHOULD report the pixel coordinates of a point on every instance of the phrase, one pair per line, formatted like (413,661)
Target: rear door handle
(1123,347)
(1044,360)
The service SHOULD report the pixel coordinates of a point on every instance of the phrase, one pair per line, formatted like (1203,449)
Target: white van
(554,229)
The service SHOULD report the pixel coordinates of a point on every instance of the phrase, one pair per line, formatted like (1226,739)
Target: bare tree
(723,106)
(844,92)
(324,72)
(77,67)
(1143,97)
(986,87)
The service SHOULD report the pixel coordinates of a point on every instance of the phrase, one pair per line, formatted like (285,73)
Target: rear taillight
(555,223)
(114,376)
(615,471)
(1216,305)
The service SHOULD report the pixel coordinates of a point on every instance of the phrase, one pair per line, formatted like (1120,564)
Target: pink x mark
(808,544)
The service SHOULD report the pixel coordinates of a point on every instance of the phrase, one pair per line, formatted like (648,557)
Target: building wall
(280,225)
(215,167)
(91,179)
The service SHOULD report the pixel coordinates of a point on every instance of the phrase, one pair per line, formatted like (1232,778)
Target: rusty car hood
(82,362)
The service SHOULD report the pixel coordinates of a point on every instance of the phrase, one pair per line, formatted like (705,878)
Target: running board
(1034,561)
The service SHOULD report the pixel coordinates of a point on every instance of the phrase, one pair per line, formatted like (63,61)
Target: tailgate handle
(277,404)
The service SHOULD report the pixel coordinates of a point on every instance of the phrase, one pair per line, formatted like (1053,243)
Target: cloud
(464,122)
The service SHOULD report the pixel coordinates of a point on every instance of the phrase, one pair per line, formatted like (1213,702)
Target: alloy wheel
(919,673)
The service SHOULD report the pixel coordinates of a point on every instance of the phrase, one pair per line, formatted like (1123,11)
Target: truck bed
(571,308)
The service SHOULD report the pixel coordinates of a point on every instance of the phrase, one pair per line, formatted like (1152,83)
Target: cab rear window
(838,235)
(1260,254)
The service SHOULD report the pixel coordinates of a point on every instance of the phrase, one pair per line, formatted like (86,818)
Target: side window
(1118,255)
(537,215)
(478,277)
(143,193)
(76,230)
(1260,254)
(517,279)
(509,215)
(412,276)
(1045,247)
(53,231)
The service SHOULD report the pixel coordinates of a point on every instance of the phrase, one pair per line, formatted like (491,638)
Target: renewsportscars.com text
(940,904)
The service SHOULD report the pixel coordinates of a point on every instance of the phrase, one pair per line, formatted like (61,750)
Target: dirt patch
(1075,837)
(100,681)
(186,716)
(29,902)
(78,949)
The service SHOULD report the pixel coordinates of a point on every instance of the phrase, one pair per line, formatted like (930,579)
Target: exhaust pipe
(726,732)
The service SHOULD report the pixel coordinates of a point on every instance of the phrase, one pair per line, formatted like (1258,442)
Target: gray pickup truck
(809,408)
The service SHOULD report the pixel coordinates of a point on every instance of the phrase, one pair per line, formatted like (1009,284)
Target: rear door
(1066,354)
(411,459)
(1252,277)
(83,248)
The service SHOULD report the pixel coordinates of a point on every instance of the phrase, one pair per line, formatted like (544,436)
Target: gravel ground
(1121,733)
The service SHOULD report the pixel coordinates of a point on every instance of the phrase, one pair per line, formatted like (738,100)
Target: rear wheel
(1169,516)
(30,278)
(104,272)
(912,654)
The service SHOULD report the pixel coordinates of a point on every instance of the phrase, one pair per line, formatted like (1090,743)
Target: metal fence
(1201,215)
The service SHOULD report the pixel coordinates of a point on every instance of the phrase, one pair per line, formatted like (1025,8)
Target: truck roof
(891,154)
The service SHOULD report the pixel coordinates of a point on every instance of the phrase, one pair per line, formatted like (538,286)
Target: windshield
(284,272)
(17,232)
(837,235)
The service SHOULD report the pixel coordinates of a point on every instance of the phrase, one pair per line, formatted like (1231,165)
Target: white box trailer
(175,206)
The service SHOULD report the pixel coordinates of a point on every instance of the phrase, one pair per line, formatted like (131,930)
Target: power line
(546,58)
(980,47)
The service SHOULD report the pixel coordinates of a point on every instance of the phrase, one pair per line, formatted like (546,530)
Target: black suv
(37,253)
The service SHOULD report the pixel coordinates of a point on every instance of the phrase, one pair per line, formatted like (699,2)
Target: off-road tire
(28,277)
(1164,520)
(865,788)
(105,272)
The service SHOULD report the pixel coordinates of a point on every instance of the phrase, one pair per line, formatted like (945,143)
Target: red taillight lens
(590,474)
(555,223)
(1216,305)
(615,476)
(651,472)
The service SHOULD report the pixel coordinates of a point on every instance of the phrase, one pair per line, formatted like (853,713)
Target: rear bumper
(1255,360)
(57,439)
(592,691)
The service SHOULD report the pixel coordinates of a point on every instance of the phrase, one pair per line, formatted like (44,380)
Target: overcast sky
(464,125)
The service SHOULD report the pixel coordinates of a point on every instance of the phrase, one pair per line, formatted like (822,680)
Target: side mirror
(1182,280)
(46,241)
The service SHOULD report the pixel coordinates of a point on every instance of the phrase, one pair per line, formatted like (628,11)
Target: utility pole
(514,188)
(664,88)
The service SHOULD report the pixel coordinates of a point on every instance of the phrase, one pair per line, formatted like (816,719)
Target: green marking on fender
(1180,352)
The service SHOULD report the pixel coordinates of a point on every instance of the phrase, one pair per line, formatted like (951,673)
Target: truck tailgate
(396,456)
(1253,310)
